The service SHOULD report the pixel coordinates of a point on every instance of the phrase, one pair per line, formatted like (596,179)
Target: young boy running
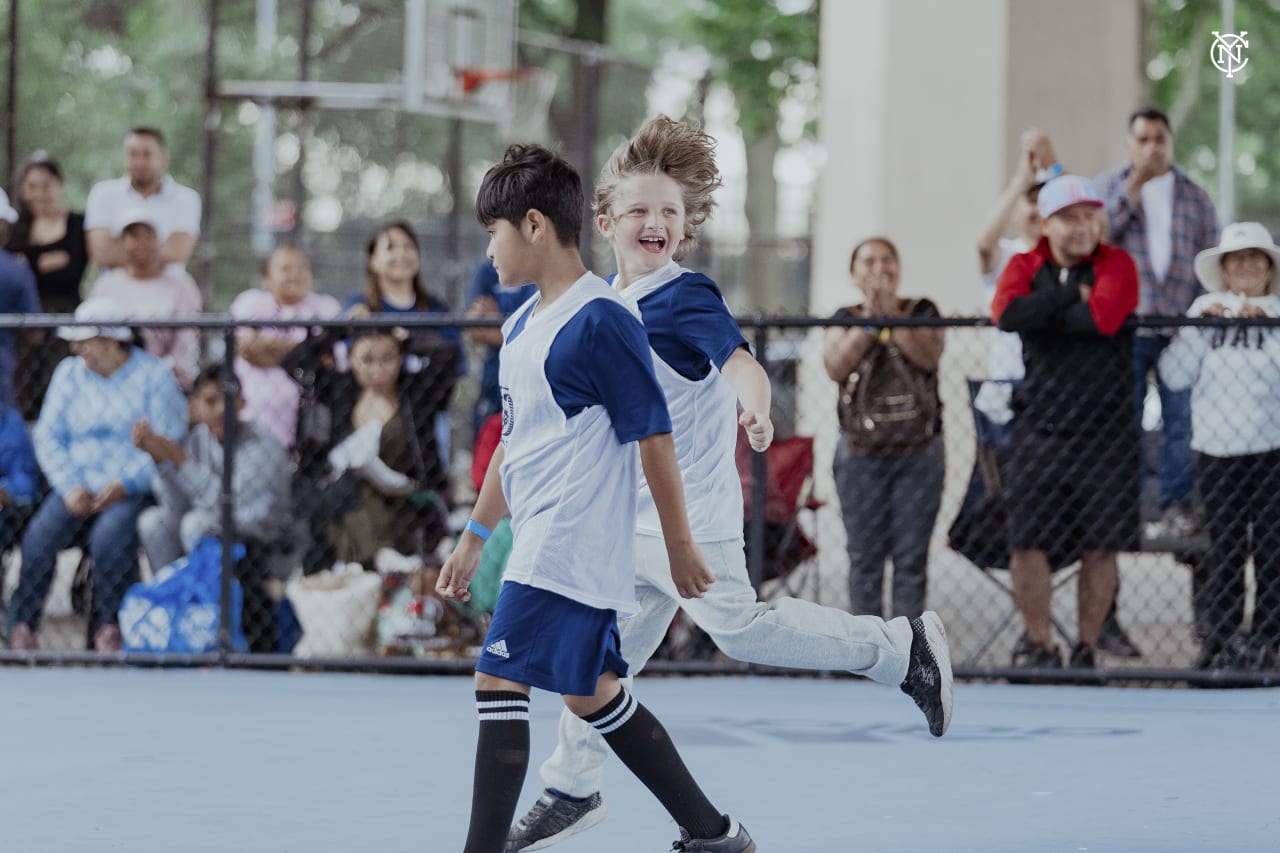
(651,199)
(578,395)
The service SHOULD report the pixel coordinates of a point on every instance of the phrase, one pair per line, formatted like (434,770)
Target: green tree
(765,53)
(90,71)
(1185,84)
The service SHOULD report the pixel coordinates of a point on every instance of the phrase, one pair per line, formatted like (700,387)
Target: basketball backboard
(441,39)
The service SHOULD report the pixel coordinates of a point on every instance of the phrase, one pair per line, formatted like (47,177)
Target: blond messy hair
(663,146)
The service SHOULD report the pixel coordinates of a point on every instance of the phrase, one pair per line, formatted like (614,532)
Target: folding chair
(979,533)
(788,491)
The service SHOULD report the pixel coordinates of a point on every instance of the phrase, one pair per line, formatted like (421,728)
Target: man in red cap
(1073,470)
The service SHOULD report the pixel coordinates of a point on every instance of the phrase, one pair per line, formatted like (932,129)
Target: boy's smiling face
(645,223)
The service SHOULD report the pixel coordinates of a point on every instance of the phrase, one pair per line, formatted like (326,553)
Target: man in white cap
(1073,463)
(147,288)
(147,185)
(17,296)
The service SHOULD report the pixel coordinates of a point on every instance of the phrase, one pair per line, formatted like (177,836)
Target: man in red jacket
(1073,469)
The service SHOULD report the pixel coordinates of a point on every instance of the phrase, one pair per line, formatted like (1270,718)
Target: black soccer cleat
(929,680)
(734,840)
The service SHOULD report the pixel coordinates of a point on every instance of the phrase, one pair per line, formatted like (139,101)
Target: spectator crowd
(113,432)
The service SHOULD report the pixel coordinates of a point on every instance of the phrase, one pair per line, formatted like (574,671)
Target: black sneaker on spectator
(554,818)
(1033,656)
(1115,641)
(929,681)
(1082,657)
(1038,657)
(1210,649)
(1244,653)
(734,840)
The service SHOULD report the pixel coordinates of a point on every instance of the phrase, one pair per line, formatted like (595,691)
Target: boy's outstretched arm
(490,508)
(750,382)
(688,568)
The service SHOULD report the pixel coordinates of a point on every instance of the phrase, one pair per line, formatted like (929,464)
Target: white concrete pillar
(922,104)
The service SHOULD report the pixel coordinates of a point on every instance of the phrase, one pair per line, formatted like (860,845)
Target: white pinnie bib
(570,485)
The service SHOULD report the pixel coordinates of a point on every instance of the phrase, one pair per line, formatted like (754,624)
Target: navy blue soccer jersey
(601,357)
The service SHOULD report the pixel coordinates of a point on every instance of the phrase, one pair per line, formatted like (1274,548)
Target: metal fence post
(230,437)
(759,481)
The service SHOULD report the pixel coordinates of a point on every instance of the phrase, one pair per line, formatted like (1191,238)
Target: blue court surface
(188,760)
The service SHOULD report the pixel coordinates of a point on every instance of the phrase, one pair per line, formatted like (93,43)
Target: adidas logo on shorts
(498,648)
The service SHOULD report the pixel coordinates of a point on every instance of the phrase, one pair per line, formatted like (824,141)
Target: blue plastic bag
(179,610)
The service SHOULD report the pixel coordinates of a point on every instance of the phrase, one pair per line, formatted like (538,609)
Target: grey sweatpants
(788,632)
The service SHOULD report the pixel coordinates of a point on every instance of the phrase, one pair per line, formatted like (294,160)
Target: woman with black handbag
(889,464)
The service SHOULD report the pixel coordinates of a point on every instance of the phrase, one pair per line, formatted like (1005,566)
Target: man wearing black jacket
(1073,464)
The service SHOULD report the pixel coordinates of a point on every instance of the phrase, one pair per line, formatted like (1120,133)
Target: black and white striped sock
(641,742)
(502,759)
(496,706)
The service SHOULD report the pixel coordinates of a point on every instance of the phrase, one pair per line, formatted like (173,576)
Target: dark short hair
(38,163)
(853,257)
(531,177)
(147,131)
(360,333)
(1150,114)
(216,372)
(20,234)
(278,249)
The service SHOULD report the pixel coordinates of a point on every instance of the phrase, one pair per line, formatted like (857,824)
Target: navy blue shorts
(545,640)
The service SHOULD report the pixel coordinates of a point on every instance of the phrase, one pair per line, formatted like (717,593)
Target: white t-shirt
(175,208)
(1234,376)
(1006,347)
(1157,207)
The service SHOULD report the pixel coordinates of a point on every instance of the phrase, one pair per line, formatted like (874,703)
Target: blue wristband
(1043,176)
(478,529)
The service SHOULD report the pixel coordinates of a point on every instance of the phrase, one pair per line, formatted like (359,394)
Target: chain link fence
(355,457)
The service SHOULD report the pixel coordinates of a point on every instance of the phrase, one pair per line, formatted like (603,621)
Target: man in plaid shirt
(1162,218)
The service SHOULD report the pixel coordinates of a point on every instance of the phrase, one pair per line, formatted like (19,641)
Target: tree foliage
(1185,84)
(763,51)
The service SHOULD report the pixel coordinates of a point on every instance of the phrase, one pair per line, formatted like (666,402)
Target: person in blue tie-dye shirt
(84,444)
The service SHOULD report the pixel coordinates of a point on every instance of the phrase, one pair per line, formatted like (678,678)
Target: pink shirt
(171,294)
(270,396)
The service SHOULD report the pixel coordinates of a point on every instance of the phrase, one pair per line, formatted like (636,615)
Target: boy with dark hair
(579,395)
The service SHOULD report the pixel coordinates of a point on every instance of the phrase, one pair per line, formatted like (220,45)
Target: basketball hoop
(520,99)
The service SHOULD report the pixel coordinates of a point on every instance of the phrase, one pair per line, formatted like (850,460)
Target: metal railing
(1161,604)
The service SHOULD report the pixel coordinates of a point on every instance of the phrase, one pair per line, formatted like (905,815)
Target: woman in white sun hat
(1233,371)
